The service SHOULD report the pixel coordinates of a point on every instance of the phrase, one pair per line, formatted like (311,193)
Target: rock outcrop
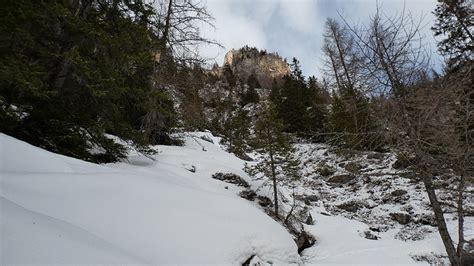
(266,67)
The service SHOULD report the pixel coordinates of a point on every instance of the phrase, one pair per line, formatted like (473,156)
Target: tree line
(75,72)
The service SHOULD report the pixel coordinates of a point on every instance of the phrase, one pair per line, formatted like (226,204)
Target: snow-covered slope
(56,209)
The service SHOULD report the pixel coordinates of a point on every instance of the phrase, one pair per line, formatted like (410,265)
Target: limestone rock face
(266,67)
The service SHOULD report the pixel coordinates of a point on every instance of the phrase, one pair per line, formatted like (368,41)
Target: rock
(309,219)
(311,198)
(401,218)
(399,164)
(398,193)
(190,168)
(231,178)
(376,156)
(375,229)
(325,171)
(426,219)
(468,255)
(307,199)
(341,179)
(248,194)
(353,167)
(409,175)
(266,67)
(404,161)
(207,138)
(264,201)
(351,206)
(254,260)
(244,157)
(304,241)
(370,235)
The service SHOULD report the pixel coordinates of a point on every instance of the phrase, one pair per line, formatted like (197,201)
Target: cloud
(300,15)
(294,27)
(234,27)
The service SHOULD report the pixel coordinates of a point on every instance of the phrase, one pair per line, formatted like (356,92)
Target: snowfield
(59,210)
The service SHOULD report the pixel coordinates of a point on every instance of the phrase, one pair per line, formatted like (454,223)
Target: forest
(95,79)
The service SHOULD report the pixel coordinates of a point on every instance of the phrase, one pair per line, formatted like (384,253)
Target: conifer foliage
(278,162)
(300,102)
(73,71)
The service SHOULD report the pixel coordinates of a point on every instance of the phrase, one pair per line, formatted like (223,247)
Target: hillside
(56,209)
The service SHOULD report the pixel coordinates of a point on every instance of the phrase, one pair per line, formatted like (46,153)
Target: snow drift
(56,209)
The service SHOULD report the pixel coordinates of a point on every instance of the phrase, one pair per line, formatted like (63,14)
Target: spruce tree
(455,24)
(237,132)
(278,162)
(73,71)
(294,100)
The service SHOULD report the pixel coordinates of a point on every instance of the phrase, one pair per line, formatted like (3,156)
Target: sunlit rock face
(266,67)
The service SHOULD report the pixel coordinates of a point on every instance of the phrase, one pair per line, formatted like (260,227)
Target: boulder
(309,220)
(341,179)
(311,198)
(231,178)
(426,219)
(304,241)
(376,156)
(369,235)
(325,171)
(351,206)
(248,194)
(264,201)
(353,167)
(398,193)
(401,218)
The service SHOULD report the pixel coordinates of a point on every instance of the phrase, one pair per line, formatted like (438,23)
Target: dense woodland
(75,73)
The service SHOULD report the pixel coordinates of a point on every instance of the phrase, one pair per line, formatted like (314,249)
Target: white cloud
(233,29)
(301,15)
(293,27)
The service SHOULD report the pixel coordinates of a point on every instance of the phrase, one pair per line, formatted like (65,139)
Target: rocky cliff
(266,67)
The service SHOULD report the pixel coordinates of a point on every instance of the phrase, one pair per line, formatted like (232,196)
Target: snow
(168,210)
(56,209)
(341,236)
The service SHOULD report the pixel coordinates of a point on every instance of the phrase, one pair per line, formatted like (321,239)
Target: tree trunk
(440,221)
(333,63)
(272,166)
(460,210)
(167,25)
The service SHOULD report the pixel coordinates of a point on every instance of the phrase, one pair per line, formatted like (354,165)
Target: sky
(294,28)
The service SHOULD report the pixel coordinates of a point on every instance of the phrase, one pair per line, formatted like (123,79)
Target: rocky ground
(369,187)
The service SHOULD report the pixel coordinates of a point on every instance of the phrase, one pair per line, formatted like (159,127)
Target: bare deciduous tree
(179,24)
(430,121)
(392,51)
(178,37)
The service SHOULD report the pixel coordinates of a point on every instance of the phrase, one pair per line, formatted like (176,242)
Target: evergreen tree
(72,71)
(318,110)
(294,101)
(229,75)
(351,123)
(237,132)
(455,22)
(278,163)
